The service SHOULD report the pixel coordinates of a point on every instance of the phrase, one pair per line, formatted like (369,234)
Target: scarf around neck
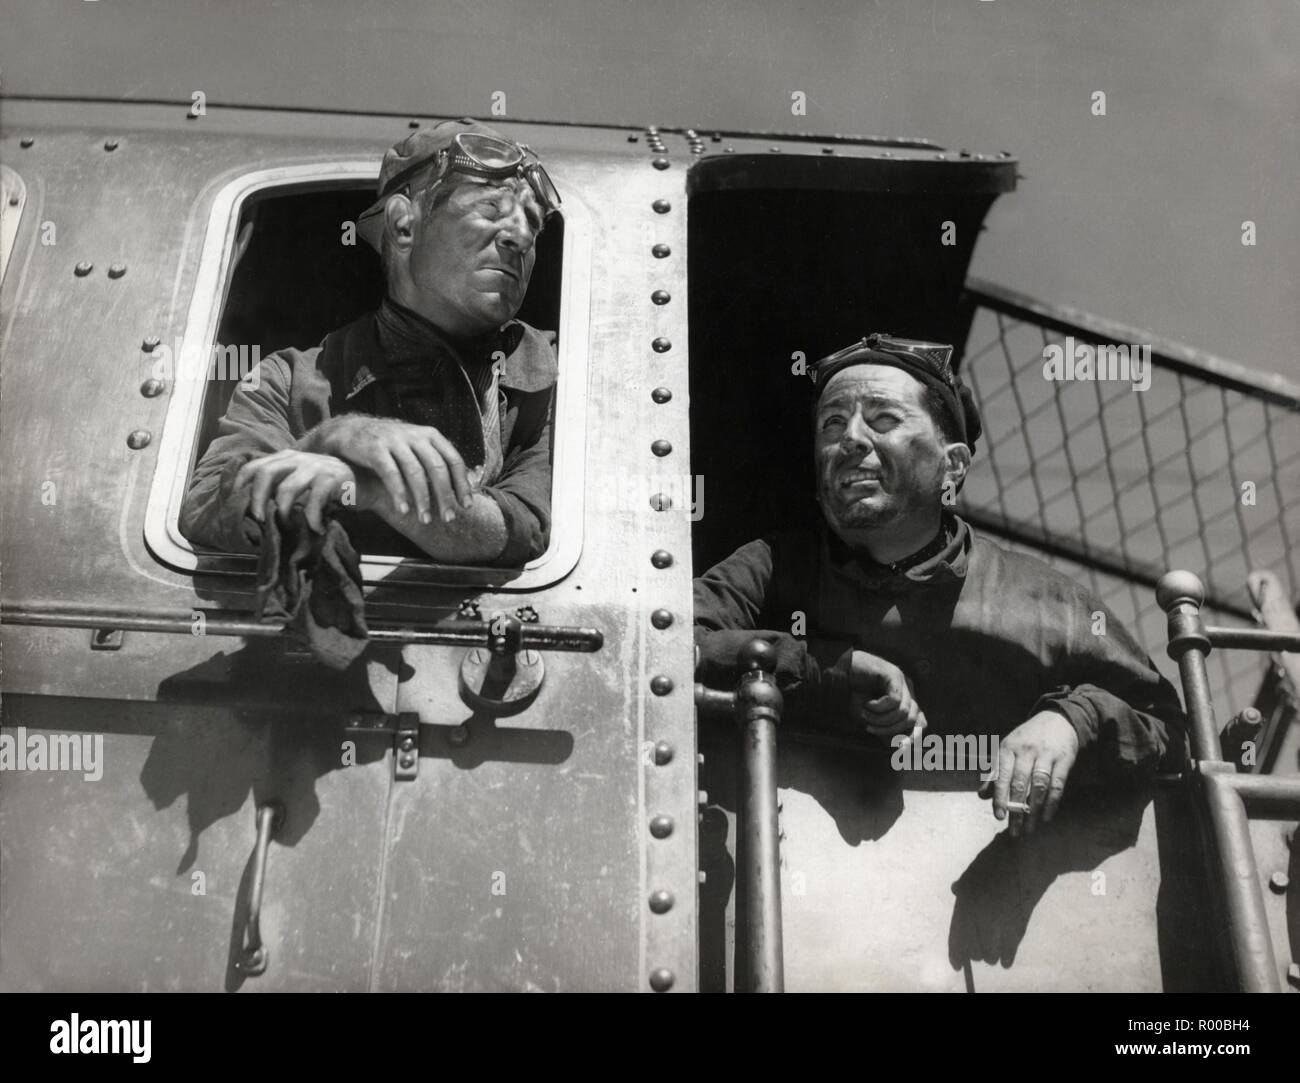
(434,380)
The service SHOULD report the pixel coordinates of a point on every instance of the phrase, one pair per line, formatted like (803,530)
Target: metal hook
(253,957)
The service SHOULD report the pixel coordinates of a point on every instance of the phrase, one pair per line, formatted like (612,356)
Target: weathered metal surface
(522,857)
(889,885)
(551,848)
(139,880)
(558,796)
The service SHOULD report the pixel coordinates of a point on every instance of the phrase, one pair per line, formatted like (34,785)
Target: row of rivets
(661,448)
(27,141)
(152,387)
(84,267)
(661,826)
(661,901)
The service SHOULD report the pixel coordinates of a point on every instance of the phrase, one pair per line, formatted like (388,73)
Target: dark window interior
(295,281)
(772,272)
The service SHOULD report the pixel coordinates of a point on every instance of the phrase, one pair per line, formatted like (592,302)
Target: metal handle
(253,956)
(756,705)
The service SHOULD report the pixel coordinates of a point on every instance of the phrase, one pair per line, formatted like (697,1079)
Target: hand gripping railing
(756,705)
(1230,797)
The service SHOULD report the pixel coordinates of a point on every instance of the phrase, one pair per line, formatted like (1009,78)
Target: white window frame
(11,215)
(177,446)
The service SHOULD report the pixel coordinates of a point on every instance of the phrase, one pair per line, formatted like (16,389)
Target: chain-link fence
(1116,482)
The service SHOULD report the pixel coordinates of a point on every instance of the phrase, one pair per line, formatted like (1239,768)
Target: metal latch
(504,677)
(405,729)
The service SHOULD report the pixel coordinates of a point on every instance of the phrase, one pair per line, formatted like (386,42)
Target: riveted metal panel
(373,883)
(138,879)
(522,858)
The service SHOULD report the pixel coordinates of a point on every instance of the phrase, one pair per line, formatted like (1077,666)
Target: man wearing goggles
(472,153)
(423,427)
(912,619)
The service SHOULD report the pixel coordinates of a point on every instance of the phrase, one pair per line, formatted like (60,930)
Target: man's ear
(958,456)
(399,222)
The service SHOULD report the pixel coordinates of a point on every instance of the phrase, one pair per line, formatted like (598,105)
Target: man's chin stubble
(856,517)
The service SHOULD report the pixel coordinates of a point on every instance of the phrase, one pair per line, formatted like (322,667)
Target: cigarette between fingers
(1017,806)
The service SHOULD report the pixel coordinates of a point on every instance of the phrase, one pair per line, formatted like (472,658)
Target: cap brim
(370,224)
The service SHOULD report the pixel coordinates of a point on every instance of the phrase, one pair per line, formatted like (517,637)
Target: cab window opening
(779,279)
(300,271)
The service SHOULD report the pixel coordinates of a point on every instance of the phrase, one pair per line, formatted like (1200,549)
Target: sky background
(1136,216)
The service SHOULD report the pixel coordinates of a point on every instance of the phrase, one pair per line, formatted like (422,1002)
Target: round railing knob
(758,654)
(1175,588)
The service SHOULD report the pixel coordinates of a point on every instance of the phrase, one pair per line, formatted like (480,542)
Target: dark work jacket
(987,636)
(295,390)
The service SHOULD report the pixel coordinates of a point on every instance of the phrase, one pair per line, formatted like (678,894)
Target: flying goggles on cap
(489,156)
(935,357)
(929,362)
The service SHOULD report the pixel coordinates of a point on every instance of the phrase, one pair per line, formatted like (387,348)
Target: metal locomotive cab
(514,789)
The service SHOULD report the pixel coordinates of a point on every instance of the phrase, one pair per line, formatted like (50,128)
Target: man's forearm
(1134,735)
(476,536)
(317,440)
